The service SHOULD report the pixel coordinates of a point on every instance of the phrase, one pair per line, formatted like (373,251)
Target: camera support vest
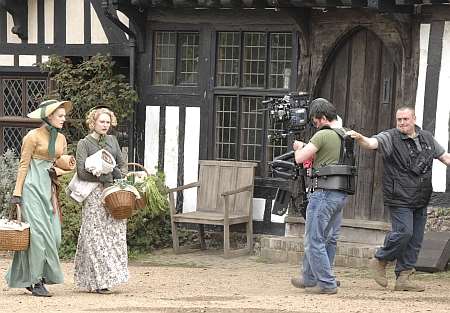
(340,176)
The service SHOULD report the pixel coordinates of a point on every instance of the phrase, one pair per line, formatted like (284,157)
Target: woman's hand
(106,179)
(116,173)
(16,200)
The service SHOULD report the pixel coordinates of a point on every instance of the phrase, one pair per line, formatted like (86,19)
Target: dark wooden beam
(406,2)
(389,6)
(19,12)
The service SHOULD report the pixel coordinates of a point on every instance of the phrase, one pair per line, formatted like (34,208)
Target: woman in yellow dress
(39,264)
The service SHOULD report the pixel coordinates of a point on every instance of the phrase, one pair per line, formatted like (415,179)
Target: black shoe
(30,289)
(39,290)
(103,291)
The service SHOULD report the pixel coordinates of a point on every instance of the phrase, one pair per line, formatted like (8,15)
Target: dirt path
(207,283)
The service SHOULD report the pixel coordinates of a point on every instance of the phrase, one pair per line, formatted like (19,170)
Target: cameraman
(408,154)
(324,211)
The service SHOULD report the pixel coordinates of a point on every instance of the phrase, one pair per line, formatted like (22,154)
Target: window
(19,96)
(175,58)
(243,61)
(250,67)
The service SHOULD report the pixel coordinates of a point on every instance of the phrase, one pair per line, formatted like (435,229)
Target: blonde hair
(94,114)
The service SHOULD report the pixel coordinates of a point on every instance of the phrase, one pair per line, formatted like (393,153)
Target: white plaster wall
(171,146)
(32,21)
(191,156)
(124,19)
(443,111)
(259,205)
(151,138)
(6,60)
(74,22)
(98,35)
(27,60)
(423,58)
(10,37)
(49,20)
(277,218)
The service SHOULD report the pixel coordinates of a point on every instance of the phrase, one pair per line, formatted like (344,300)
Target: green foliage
(154,191)
(8,169)
(71,211)
(90,83)
(149,228)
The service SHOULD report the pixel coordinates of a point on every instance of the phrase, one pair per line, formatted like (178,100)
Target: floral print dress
(101,260)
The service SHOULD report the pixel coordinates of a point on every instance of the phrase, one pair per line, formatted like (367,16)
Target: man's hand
(363,141)
(354,134)
(297,145)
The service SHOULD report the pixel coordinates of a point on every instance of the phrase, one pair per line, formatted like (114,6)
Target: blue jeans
(323,222)
(403,243)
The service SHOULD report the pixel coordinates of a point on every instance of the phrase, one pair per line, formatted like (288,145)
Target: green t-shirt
(328,144)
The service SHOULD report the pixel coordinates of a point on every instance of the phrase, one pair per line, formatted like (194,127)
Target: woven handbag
(12,239)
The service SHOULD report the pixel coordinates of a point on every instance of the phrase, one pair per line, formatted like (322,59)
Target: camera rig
(292,112)
(289,116)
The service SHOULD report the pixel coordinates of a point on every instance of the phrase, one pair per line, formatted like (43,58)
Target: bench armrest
(191,185)
(239,190)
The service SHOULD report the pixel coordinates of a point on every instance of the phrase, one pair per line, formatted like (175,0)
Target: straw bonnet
(47,107)
(100,106)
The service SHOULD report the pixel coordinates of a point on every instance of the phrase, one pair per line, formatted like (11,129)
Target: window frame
(263,169)
(203,95)
(21,122)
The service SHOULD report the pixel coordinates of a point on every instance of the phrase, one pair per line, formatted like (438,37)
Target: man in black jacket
(408,154)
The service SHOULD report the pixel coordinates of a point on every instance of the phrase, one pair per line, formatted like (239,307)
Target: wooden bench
(224,197)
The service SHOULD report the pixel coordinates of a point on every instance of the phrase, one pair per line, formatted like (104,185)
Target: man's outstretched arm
(363,141)
(445,158)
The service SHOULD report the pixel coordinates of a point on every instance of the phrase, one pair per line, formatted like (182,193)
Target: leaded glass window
(243,60)
(175,58)
(18,97)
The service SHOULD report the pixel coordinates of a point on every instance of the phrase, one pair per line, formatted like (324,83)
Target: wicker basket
(15,240)
(140,203)
(120,204)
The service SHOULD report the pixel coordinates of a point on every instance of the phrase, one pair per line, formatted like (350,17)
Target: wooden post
(176,243)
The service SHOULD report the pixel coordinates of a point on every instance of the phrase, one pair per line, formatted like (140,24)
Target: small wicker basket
(140,203)
(120,204)
(15,240)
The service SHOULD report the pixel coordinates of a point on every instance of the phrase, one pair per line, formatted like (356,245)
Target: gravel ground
(206,282)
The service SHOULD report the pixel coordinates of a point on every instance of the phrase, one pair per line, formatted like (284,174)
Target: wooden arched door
(361,79)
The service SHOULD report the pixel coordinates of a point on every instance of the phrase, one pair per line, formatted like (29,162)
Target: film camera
(289,116)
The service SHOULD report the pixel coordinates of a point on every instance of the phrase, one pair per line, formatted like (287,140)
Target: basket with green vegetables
(153,195)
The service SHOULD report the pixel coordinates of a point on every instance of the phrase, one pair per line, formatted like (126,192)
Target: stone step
(291,249)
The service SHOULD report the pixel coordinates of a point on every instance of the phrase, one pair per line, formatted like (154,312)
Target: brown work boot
(404,283)
(378,270)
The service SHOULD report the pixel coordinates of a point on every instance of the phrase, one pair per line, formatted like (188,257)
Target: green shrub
(149,228)
(8,167)
(87,84)
(71,211)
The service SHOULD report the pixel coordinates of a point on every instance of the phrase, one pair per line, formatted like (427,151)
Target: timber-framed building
(202,67)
